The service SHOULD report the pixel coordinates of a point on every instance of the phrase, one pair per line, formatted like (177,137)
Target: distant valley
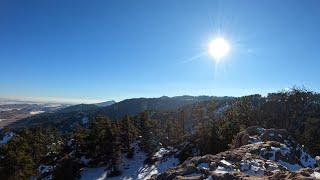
(10,113)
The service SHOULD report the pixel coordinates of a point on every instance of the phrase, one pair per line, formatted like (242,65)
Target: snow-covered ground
(285,150)
(7,137)
(45,169)
(99,173)
(53,105)
(315,175)
(134,168)
(6,109)
(36,112)
(226,167)
(158,167)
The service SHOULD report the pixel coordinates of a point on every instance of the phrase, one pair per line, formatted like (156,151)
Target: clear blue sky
(102,50)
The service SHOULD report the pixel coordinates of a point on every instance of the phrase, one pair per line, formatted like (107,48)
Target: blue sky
(103,50)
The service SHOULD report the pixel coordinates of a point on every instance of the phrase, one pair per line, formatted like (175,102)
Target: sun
(218,48)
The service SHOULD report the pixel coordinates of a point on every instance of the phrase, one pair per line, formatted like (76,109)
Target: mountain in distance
(164,103)
(45,113)
(65,118)
(78,108)
(8,101)
(105,104)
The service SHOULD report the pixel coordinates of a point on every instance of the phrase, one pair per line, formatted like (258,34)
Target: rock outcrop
(256,153)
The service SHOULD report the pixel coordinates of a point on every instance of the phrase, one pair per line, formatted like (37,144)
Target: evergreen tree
(24,152)
(79,136)
(67,169)
(17,161)
(311,135)
(149,143)
(128,133)
(215,141)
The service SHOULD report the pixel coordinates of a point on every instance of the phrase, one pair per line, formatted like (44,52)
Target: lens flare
(218,48)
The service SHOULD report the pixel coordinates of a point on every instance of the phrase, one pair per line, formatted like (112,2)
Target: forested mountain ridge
(67,117)
(105,104)
(164,103)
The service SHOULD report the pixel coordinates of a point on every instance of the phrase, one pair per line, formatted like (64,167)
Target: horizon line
(63,100)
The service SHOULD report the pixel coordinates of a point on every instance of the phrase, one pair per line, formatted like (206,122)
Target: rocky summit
(255,153)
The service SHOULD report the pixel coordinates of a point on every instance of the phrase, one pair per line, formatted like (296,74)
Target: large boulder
(257,153)
(257,134)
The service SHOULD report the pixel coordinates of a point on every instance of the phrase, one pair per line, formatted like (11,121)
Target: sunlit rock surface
(256,153)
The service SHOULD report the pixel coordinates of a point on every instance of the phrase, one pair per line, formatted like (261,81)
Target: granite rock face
(256,153)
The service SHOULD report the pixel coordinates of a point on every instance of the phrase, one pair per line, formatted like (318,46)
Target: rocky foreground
(256,153)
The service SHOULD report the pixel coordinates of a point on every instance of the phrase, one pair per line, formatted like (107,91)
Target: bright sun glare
(218,48)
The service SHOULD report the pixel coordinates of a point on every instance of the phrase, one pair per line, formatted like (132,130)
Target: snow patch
(306,160)
(316,175)
(6,138)
(134,168)
(203,166)
(254,139)
(158,167)
(261,130)
(226,162)
(45,169)
(6,109)
(161,153)
(226,167)
(291,167)
(36,112)
(254,167)
(94,173)
(222,170)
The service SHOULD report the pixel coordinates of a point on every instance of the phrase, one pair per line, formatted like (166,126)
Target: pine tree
(128,132)
(100,139)
(182,122)
(17,163)
(149,144)
(115,147)
(22,154)
(67,168)
(79,135)
(215,141)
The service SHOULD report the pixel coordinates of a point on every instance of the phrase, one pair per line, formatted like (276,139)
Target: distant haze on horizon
(88,52)
(93,101)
